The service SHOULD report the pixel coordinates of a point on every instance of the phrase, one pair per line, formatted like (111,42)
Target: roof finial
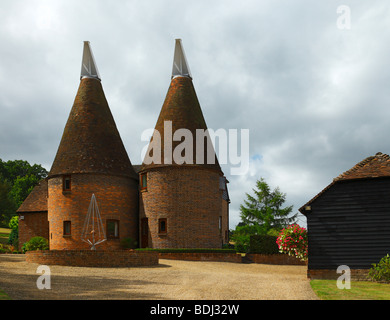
(88,65)
(180,66)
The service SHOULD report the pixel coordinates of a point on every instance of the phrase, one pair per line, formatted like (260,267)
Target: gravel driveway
(172,279)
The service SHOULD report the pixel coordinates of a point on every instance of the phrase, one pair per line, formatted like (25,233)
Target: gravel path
(172,279)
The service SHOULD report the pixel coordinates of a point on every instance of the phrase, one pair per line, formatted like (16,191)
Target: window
(112,229)
(67,228)
(143,181)
(66,183)
(220,224)
(162,226)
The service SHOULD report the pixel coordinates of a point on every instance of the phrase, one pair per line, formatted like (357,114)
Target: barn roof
(36,201)
(377,166)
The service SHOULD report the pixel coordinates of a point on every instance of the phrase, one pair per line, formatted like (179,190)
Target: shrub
(241,242)
(293,241)
(128,243)
(13,238)
(380,271)
(188,250)
(263,244)
(36,243)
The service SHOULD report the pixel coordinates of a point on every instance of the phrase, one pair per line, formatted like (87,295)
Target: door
(144,233)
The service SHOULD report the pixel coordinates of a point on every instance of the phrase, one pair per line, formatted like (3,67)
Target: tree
(22,187)
(17,179)
(7,206)
(13,169)
(264,211)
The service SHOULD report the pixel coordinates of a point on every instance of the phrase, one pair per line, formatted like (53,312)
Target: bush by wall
(381,271)
(188,250)
(263,244)
(36,243)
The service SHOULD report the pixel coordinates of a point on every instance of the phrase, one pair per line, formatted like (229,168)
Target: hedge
(263,244)
(188,250)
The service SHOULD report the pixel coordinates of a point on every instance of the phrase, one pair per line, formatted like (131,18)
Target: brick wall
(117,199)
(190,199)
(281,259)
(356,274)
(223,257)
(33,224)
(92,258)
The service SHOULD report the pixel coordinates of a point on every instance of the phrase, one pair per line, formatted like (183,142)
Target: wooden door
(144,233)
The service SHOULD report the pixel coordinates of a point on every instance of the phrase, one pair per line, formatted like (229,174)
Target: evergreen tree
(264,211)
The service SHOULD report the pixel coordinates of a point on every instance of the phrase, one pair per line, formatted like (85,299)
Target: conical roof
(91,142)
(180,110)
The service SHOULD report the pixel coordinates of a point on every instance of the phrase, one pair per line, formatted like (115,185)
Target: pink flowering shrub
(293,241)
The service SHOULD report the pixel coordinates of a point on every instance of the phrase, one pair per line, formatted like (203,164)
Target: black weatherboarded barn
(349,221)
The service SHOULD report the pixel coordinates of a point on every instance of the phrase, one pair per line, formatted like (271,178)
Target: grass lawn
(4,234)
(360,290)
(4,296)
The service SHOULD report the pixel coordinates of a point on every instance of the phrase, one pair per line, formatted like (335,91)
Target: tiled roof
(36,201)
(182,108)
(91,142)
(377,166)
(371,167)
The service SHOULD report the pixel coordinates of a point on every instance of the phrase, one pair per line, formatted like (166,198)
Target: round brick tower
(180,201)
(91,159)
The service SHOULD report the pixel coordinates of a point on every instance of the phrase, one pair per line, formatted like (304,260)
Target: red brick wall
(356,274)
(224,257)
(117,198)
(190,199)
(281,259)
(33,224)
(92,258)
(225,222)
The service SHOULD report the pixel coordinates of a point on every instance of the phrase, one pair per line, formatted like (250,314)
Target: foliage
(265,209)
(12,169)
(263,244)
(241,237)
(293,241)
(36,243)
(22,187)
(13,238)
(17,179)
(128,243)
(7,205)
(14,223)
(381,271)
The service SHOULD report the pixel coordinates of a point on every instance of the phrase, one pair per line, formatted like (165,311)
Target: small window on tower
(143,181)
(67,228)
(162,226)
(66,183)
(112,229)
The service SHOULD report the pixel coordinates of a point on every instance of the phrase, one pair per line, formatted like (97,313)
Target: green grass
(4,296)
(4,234)
(360,290)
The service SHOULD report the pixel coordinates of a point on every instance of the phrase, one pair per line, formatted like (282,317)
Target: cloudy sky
(311,83)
